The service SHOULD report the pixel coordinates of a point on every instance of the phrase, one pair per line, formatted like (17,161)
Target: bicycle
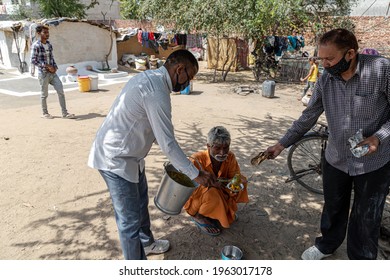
(304,159)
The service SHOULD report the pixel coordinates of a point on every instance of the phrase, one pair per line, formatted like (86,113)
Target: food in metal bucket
(181,179)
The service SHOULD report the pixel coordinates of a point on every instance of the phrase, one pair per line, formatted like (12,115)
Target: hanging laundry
(151,36)
(285,42)
(139,36)
(157,36)
(151,43)
(194,41)
(242,52)
(293,42)
(278,45)
(145,38)
(181,39)
(171,38)
(269,42)
(164,43)
(300,41)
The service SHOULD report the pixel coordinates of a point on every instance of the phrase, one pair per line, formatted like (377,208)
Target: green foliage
(130,9)
(62,8)
(22,13)
(276,17)
(253,18)
(247,18)
(222,17)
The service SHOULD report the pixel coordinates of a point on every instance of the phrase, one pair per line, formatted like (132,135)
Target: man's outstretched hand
(206,179)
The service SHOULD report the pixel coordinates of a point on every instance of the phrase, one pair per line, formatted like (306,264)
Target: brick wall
(371,32)
(142,24)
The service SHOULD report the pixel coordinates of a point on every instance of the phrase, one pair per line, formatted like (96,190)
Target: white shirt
(140,115)
(47,53)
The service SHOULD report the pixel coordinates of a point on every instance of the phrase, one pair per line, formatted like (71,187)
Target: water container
(268,89)
(94,82)
(84,83)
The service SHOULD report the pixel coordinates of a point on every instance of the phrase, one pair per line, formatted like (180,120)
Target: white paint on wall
(5,58)
(74,43)
(78,43)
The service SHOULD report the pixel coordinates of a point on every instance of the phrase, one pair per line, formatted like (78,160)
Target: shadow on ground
(280,221)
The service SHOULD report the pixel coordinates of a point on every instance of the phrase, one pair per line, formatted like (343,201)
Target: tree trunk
(227,71)
(226,60)
(109,52)
(224,75)
(216,63)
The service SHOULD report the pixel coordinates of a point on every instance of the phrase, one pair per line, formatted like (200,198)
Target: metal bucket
(171,195)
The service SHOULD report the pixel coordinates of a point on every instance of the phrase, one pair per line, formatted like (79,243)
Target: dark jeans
(370,191)
(130,202)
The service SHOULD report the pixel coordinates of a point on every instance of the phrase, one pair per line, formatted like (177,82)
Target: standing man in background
(42,57)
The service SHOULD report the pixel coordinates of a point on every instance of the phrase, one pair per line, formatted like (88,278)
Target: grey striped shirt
(361,102)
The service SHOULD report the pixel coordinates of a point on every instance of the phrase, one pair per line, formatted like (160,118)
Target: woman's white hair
(218,135)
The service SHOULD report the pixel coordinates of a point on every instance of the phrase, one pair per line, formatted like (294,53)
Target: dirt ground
(53,206)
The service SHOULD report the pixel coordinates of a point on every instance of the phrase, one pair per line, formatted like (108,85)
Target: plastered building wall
(75,42)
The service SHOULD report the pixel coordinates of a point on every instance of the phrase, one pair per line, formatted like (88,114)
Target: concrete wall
(74,43)
(77,41)
(5,50)
(8,50)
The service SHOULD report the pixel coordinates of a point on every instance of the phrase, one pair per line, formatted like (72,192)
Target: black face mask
(340,67)
(180,87)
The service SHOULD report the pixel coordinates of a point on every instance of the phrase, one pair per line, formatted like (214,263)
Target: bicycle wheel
(304,162)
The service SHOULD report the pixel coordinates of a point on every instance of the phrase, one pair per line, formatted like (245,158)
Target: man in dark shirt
(354,93)
(42,58)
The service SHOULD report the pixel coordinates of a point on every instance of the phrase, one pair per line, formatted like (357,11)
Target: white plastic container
(94,82)
(268,89)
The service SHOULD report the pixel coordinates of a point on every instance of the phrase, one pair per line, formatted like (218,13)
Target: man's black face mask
(340,67)
(178,86)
